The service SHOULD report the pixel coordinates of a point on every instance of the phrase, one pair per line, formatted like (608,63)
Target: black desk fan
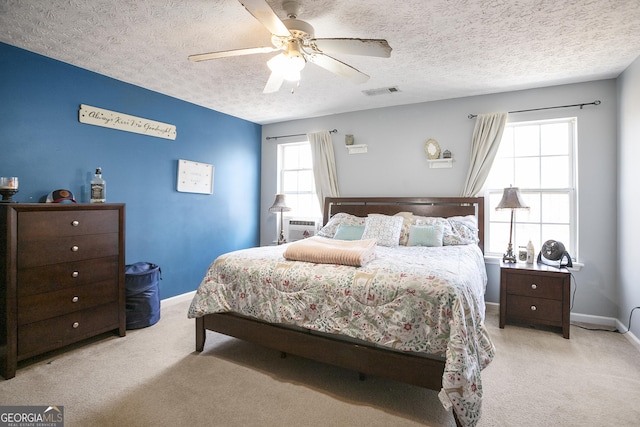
(553,253)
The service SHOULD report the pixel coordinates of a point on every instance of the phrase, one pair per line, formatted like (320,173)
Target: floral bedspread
(418,299)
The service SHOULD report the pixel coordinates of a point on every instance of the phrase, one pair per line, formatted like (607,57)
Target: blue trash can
(142,294)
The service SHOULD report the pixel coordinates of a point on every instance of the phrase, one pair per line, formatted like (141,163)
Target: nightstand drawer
(535,286)
(535,310)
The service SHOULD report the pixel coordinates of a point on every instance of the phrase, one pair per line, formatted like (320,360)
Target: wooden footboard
(398,366)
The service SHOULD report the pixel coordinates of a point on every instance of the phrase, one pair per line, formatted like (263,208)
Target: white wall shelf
(441,163)
(357,148)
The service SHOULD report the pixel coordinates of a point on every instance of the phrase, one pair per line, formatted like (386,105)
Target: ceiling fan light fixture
(288,63)
(296,40)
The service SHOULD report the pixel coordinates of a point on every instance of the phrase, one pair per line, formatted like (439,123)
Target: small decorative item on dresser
(446,154)
(348,140)
(8,187)
(98,188)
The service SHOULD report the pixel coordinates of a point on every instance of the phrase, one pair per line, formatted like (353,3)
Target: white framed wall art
(195,177)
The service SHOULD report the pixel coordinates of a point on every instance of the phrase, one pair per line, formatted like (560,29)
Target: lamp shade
(280,204)
(511,199)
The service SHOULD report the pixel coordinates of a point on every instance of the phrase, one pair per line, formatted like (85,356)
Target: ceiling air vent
(381,91)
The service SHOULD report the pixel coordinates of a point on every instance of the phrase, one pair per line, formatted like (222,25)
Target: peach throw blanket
(323,250)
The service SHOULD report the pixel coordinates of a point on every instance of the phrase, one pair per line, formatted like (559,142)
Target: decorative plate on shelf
(432,149)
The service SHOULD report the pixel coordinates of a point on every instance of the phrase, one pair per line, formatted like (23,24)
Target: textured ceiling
(441,48)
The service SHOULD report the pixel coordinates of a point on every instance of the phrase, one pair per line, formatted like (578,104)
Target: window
(539,158)
(296,180)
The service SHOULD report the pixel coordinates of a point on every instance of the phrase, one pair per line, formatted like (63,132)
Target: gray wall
(396,165)
(629,195)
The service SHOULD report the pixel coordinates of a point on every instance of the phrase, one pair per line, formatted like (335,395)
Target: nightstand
(535,294)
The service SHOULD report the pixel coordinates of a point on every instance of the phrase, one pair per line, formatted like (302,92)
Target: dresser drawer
(38,337)
(47,278)
(535,310)
(537,286)
(39,225)
(51,304)
(66,249)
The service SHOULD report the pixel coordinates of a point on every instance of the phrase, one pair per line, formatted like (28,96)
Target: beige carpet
(153,377)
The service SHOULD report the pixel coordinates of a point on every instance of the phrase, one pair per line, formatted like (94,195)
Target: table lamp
(511,200)
(280,206)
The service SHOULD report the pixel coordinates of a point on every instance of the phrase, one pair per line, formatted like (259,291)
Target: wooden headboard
(424,206)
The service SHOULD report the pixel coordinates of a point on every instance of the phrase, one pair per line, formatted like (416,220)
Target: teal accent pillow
(425,235)
(349,232)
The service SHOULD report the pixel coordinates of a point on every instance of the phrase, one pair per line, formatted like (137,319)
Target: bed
(413,312)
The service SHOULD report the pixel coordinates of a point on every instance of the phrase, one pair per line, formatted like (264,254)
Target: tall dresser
(61,277)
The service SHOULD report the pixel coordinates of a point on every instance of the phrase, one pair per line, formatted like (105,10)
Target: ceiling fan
(296,39)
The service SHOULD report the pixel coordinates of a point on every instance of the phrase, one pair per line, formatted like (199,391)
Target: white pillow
(385,229)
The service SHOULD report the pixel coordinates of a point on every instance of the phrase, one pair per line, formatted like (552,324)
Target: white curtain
(484,146)
(324,165)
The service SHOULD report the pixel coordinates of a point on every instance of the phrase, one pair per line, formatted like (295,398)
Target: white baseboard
(594,320)
(178,298)
(629,335)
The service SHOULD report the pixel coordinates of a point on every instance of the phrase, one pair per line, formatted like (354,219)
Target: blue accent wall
(47,148)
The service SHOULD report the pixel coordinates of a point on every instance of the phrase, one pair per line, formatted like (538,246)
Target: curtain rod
(297,134)
(596,102)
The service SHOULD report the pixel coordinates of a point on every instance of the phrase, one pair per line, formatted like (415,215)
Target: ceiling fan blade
(367,47)
(274,83)
(338,67)
(261,10)
(226,53)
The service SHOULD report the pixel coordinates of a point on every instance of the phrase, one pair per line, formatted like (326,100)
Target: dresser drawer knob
(74,299)
(75,223)
(74,248)
(534,286)
(75,274)
(534,308)
(75,325)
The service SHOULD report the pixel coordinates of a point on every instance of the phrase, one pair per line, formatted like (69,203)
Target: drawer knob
(75,274)
(74,299)
(74,248)
(534,308)
(75,223)
(534,286)
(75,325)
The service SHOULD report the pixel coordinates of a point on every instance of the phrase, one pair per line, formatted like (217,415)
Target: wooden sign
(111,119)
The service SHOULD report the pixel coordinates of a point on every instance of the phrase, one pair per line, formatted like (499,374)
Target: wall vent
(381,91)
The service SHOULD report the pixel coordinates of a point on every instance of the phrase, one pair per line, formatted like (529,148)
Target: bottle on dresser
(98,188)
